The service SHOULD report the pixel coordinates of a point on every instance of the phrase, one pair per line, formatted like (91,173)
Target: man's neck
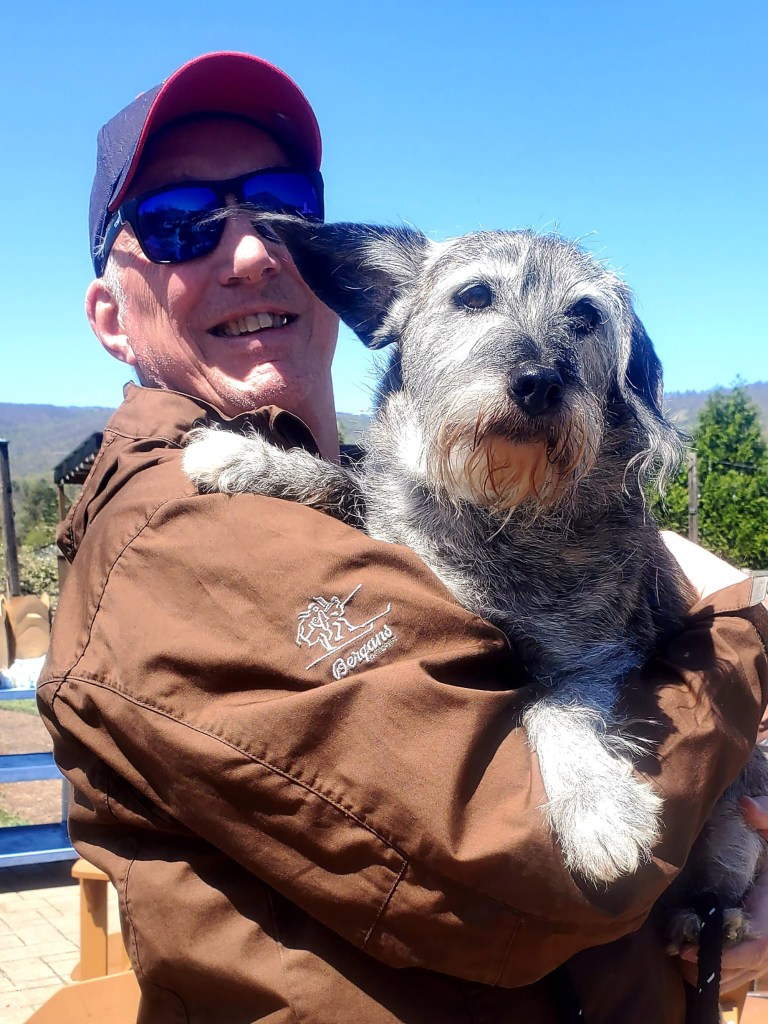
(320,417)
(322,423)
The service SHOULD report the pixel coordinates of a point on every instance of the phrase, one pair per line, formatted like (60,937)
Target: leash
(702,1004)
(564,997)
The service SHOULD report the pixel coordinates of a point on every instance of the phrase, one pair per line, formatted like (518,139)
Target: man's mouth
(252,324)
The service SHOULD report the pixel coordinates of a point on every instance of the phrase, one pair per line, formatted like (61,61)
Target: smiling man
(240,328)
(288,845)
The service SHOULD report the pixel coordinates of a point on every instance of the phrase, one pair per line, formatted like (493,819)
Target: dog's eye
(584,317)
(475,296)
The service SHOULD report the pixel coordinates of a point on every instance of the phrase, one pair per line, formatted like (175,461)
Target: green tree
(38,515)
(733,481)
(38,572)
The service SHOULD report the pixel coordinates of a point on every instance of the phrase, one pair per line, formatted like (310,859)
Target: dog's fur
(518,429)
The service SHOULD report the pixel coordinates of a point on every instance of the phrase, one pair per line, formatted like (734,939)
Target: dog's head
(521,353)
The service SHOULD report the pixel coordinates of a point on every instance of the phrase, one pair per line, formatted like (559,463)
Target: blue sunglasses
(173,224)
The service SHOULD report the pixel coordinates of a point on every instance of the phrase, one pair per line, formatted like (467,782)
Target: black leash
(703,1001)
(702,1005)
(564,997)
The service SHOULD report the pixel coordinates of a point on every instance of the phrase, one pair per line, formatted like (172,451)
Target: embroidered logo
(324,624)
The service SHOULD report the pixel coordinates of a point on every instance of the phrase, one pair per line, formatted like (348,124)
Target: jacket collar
(169,415)
(149,425)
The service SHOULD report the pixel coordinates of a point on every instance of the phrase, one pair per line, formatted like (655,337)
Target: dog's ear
(641,388)
(359,270)
(643,378)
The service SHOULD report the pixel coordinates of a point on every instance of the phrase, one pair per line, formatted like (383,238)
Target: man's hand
(706,572)
(749,960)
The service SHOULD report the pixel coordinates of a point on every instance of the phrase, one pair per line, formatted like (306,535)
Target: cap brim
(232,83)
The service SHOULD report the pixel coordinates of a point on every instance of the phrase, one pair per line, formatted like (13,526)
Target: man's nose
(242,254)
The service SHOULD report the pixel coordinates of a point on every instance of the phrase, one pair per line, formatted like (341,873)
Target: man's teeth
(251,323)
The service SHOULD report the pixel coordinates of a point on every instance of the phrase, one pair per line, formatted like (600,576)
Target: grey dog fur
(575,572)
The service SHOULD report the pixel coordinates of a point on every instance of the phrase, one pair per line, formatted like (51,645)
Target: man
(290,843)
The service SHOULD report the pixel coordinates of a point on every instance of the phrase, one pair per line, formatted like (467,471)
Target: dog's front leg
(220,460)
(606,819)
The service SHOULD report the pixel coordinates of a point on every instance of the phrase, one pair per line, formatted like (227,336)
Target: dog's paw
(737,927)
(605,835)
(219,460)
(685,926)
(683,929)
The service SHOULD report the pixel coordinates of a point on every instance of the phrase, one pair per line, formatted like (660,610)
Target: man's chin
(259,388)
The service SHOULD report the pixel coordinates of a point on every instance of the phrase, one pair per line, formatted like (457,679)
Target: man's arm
(386,786)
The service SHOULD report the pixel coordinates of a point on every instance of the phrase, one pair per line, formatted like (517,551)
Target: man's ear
(359,270)
(103,312)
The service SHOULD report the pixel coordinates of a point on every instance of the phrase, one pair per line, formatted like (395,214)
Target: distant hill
(41,435)
(352,427)
(683,407)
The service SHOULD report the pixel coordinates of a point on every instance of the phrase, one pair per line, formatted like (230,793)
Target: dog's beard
(497,462)
(502,473)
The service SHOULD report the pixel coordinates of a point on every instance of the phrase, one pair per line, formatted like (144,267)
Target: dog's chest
(555,596)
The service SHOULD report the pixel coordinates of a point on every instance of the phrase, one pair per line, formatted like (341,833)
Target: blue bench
(28,767)
(18,694)
(33,844)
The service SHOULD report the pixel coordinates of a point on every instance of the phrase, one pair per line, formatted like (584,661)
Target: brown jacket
(301,763)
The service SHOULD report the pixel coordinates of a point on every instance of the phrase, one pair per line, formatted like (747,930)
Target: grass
(7,819)
(27,707)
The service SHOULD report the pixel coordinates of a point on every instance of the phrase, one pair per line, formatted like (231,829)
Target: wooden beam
(693,497)
(13,586)
(113,999)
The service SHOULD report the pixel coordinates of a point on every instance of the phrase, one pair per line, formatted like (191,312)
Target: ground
(26,802)
(39,904)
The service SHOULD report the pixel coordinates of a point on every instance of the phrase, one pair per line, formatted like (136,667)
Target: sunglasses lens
(172,225)
(283,192)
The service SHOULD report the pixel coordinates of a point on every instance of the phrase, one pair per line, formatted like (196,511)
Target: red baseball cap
(224,83)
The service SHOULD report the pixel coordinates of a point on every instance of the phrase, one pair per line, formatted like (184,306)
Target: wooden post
(94,945)
(13,585)
(732,1005)
(62,565)
(61,500)
(693,497)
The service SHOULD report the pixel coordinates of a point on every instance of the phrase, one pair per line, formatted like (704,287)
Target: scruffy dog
(518,426)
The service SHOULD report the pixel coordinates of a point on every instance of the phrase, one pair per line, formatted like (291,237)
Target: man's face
(180,321)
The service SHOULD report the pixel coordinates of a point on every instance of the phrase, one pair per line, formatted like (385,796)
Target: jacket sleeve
(315,704)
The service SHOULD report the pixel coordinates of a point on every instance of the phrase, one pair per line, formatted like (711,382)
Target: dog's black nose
(536,389)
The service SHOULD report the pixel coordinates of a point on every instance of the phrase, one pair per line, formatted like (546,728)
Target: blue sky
(640,129)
